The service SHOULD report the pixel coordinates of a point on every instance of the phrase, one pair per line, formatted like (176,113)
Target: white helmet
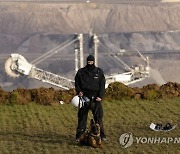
(78,101)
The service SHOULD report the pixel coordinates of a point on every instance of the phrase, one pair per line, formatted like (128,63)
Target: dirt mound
(3,96)
(148,92)
(44,96)
(119,91)
(48,96)
(19,96)
(170,90)
(116,91)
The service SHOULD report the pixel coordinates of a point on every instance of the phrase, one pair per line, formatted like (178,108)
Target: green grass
(36,128)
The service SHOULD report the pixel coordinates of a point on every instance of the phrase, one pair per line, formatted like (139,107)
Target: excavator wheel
(9,65)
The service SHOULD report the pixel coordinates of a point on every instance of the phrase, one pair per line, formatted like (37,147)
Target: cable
(115,56)
(51,52)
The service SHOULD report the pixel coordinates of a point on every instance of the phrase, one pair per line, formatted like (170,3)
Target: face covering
(90,66)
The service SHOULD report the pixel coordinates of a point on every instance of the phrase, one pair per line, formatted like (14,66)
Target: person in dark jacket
(90,82)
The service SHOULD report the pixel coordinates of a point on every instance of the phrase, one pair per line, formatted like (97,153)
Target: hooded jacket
(90,82)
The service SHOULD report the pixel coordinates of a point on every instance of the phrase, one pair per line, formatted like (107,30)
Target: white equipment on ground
(158,127)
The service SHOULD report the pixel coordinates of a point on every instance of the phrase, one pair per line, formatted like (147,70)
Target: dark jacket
(90,82)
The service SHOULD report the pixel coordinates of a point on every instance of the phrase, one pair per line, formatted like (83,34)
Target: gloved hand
(98,99)
(80,93)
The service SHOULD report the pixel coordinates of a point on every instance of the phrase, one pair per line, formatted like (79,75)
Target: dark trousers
(97,111)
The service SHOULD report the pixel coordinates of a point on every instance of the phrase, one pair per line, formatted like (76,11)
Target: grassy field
(36,128)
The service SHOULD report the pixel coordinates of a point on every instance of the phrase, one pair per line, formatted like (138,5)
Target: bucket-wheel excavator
(16,65)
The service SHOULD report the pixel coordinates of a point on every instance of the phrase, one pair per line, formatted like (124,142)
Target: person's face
(90,62)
